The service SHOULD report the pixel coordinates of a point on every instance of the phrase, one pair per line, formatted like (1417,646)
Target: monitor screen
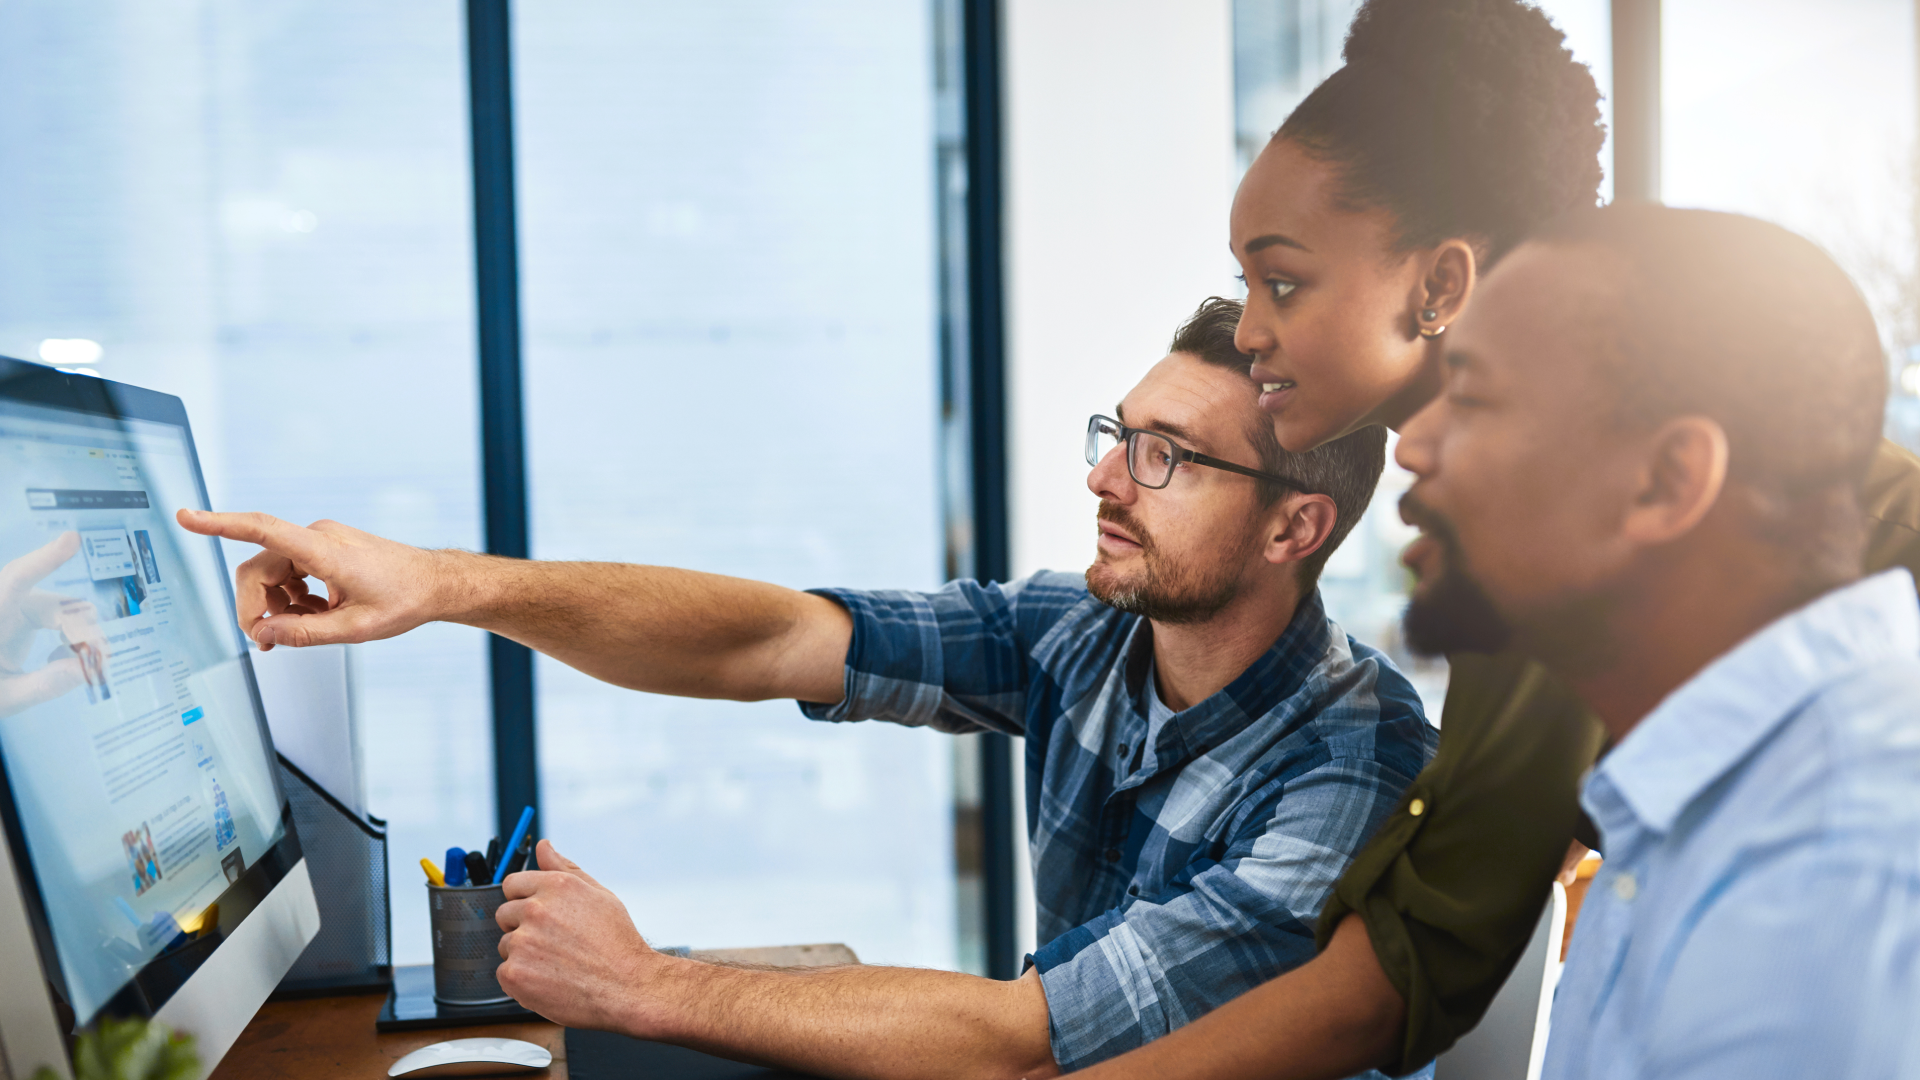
(140,782)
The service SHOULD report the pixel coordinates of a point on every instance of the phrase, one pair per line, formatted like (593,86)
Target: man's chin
(1107,583)
(1452,613)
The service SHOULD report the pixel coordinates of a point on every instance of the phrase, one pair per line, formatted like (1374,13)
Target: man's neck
(1194,661)
(1673,624)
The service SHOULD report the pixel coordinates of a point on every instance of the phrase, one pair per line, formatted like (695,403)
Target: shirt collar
(1704,728)
(1279,673)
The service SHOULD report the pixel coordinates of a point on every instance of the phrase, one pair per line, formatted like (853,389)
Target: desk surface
(333,1038)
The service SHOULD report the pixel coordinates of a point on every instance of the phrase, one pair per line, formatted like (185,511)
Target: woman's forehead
(1293,194)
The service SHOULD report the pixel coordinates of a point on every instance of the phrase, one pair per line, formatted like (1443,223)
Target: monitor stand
(219,1000)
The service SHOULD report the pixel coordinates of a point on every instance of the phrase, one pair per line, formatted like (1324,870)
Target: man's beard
(1450,613)
(1168,593)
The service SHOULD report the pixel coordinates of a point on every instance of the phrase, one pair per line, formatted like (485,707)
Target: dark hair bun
(1462,117)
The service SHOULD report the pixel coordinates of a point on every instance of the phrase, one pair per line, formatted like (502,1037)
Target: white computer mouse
(472,1057)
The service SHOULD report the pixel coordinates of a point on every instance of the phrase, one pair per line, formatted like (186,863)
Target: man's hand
(376,588)
(573,956)
(572,952)
(649,628)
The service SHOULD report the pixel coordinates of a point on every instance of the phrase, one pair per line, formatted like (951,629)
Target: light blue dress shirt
(1758,913)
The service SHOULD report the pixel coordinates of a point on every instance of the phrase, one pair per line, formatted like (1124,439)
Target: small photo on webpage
(141,858)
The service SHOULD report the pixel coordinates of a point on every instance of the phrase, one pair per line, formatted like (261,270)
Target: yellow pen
(434,877)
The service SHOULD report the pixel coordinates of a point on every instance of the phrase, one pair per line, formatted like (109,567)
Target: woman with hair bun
(1455,128)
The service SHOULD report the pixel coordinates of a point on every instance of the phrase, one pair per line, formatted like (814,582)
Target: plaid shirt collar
(1277,675)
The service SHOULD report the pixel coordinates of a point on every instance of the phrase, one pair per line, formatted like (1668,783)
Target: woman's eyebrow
(1273,239)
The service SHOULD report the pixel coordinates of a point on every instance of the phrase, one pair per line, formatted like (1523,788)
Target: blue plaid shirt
(1173,873)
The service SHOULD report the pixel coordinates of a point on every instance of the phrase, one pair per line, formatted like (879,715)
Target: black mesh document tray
(347,859)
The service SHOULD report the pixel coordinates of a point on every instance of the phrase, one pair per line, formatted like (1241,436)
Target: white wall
(1120,173)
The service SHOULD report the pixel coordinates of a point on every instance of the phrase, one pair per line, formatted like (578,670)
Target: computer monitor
(150,866)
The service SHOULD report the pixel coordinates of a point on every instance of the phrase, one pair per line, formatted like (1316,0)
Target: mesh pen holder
(466,943)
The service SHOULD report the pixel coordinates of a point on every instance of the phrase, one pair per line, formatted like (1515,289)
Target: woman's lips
(1275,393)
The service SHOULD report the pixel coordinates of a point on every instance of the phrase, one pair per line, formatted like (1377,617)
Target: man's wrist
(461,587)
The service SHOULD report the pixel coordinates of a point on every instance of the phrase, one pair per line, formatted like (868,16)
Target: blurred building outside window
(1804,115)
(728,265)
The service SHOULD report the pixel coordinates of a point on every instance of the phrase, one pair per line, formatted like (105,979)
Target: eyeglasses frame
(1181,456)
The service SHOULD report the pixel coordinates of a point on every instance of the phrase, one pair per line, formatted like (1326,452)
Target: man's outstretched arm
(643,627)
(574,956)
(1333,1016)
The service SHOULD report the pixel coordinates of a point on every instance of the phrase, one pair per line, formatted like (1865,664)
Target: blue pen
(456,866)
(513,845)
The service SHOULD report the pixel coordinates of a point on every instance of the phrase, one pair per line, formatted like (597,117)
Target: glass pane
(1805,116)
(264,210)
(727,233)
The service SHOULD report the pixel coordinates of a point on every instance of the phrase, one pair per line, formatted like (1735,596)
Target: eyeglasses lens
(1102,437)
(1150,460)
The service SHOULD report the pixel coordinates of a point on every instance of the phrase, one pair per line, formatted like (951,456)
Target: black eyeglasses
(1151,456)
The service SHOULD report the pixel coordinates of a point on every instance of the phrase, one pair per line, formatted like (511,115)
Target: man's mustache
(1428,520)
(1121,516)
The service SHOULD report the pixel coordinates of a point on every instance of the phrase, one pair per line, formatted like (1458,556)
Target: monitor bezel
(155,983)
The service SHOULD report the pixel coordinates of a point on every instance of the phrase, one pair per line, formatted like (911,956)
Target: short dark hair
(1461,118)
(1346,469)
(1799,387)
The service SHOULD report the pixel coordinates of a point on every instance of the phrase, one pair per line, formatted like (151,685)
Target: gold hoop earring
(1426,331)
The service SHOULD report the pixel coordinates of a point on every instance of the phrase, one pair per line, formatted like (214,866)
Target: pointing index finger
(303,546)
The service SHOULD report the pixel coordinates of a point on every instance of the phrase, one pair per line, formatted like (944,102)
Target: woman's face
(1331,305)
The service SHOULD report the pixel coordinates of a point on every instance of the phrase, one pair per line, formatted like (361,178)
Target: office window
(727,230)
(264,210)
(1805,116)
(1282,49)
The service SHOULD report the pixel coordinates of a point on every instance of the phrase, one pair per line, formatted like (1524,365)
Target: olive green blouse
(1452,885)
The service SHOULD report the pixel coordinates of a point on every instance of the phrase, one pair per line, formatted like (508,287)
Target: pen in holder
(466,943)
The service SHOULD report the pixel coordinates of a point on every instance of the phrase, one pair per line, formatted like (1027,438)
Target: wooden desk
(333,1038)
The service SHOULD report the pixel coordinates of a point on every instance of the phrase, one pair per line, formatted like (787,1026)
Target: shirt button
(1113,854)
(1123,749)
(1417,807)
(1626,887)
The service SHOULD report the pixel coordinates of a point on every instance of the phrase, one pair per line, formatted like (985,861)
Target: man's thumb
(549,858)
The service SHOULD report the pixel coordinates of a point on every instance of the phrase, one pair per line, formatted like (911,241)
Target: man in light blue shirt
(1646,471)
(1759,910)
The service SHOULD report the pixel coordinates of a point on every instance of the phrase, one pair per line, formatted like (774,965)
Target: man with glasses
(1205,748)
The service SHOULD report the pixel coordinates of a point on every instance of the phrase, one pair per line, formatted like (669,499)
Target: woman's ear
(1302,524)
(1447,285)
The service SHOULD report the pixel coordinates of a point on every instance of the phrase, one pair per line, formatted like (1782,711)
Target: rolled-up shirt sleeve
(1451,889)
(1232,920)
(955,660)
